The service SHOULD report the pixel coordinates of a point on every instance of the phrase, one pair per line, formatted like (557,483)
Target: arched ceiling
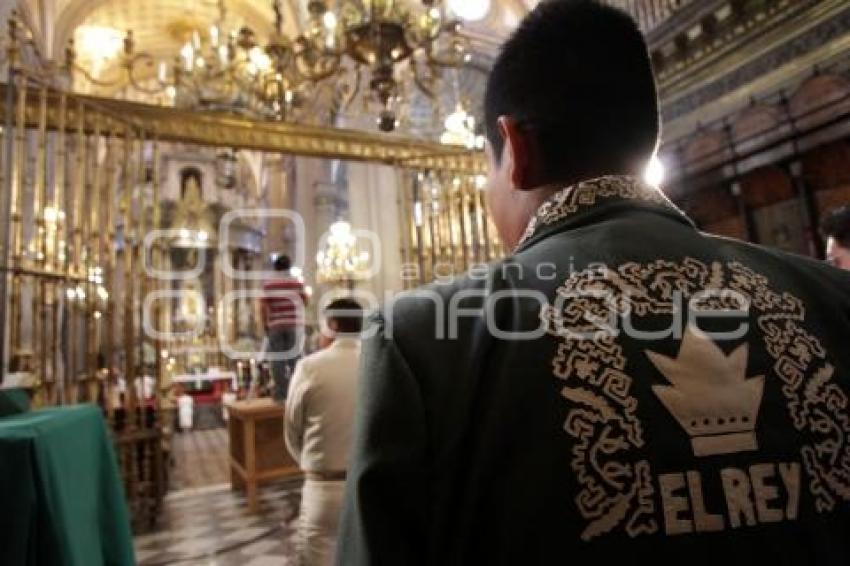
(154,21)
(160,27)
(163,25)
(156,24)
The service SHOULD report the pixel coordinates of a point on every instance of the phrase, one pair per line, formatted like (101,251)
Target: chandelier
(382,36)
(224,69)
(460,129)
(339,260)
(217,69)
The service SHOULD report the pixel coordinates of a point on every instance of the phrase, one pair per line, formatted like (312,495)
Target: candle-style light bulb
(188,55)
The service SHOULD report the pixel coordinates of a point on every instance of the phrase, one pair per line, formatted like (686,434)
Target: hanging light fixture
(221,69)
(218,68)
(460,130)
(339,260)
(470,10)
(380,37)
(461,126)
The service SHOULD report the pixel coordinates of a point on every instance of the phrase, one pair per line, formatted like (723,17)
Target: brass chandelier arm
(328,66)
(461,46)
(94,80)
(425,82)
(130,69)
(345,96)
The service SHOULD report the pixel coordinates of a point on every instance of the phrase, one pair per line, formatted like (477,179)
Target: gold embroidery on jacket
(817,405)
(710,394)
(586,194)
(615,489)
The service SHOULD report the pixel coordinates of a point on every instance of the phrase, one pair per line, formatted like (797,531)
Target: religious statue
(191,308)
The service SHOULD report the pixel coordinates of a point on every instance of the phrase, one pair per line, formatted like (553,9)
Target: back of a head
(837,225)
(578,76)
(345,315)
(282,263)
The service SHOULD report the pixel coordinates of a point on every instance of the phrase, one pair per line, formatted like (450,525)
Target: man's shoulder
(310,360)
(331,355)
(815,273)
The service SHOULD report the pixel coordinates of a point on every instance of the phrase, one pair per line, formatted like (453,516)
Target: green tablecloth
(13,402)
(61,498)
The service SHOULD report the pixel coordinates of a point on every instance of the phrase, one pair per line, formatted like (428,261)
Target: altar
(207,387)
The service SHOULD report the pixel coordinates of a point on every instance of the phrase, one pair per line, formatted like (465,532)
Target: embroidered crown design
(710,395)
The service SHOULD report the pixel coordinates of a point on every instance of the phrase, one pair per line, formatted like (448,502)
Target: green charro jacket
(623,389)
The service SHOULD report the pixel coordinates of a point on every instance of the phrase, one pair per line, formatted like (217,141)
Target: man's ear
(515,156)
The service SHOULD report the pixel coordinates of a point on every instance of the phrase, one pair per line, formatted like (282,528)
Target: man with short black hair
(283,303)
(836,229)
(319,421)
(667,398)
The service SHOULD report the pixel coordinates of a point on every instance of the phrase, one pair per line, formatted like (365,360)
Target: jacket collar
(585,201)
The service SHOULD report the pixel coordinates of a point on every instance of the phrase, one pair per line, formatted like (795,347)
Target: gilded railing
(71,275)
(446,229)
(80,190)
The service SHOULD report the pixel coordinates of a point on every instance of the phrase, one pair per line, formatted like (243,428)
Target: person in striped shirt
(283,303)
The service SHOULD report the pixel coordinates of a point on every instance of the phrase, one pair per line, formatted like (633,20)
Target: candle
(188,54)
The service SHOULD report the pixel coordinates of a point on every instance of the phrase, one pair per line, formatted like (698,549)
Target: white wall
(374,191)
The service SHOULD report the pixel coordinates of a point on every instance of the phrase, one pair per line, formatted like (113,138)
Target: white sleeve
(294,417)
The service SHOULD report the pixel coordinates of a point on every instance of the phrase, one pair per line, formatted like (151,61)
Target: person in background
(186,409)
(283,303)
(319,419)
(836,230)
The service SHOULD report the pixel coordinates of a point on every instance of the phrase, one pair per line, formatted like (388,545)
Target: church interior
(158,156)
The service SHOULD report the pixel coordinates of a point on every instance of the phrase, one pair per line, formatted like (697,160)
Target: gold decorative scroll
(174,125)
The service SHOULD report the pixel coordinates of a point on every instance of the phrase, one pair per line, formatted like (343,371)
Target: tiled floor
(211,526)
(204,523)
(200,459)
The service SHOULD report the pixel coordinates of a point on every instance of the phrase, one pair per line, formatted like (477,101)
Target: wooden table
(257,450)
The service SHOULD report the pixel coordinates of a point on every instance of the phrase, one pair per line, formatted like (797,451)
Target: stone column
(278,193)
